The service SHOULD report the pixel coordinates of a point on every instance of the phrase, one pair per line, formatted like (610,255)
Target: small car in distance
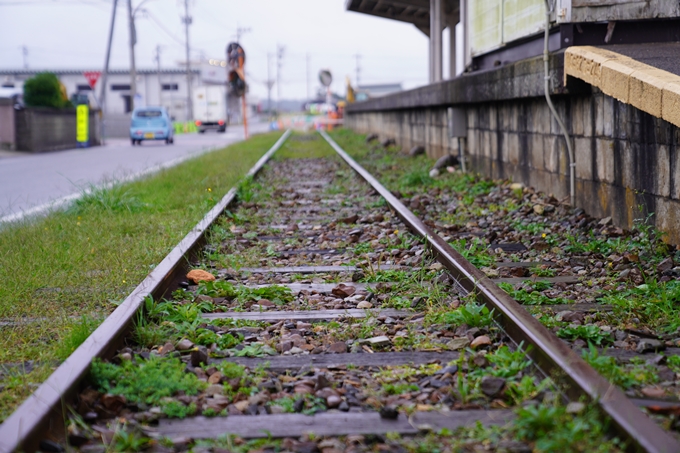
(151,123)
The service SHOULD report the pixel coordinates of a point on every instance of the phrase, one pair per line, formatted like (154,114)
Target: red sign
(92,77)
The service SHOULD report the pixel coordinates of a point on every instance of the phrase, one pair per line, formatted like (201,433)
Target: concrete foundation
(627,161)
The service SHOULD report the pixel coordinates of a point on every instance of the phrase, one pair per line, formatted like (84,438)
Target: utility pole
(157,57)
(133,68)
(279,61)
(24,54)
(270,83)
(307,76)
(187,22)
(105,75)
(358,70)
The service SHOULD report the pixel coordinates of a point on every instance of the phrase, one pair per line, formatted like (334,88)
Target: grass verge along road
(62,274)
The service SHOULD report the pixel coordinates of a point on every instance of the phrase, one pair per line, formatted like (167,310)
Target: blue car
(151,123)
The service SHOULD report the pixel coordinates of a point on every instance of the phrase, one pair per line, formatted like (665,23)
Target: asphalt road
(33,181)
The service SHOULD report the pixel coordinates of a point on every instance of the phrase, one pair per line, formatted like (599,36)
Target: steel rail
(43,411)
(551,354)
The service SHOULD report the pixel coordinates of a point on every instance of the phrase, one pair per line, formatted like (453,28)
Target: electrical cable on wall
(549,5)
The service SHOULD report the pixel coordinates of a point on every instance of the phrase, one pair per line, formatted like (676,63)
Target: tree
(45,90)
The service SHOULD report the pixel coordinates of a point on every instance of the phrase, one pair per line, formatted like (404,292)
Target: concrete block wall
(40,129)
(7,127)
(627,161)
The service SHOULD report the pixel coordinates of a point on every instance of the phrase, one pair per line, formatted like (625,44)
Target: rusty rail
(552,355)
(43,411)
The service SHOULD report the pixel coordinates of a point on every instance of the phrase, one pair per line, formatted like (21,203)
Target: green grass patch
(654,303)
(148,382)
(304,146)
(76,336)
(88,258)
(533,296)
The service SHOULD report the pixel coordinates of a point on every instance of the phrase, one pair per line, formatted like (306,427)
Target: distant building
(167,87)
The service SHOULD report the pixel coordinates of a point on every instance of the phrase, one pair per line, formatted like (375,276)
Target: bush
(45,90)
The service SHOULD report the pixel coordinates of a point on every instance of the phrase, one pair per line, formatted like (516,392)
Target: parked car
(151,123)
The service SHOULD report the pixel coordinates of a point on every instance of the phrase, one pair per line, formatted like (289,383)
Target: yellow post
(82,125)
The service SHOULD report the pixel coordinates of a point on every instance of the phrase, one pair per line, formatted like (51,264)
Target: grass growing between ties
(304,146)
(88,258)
(148,382)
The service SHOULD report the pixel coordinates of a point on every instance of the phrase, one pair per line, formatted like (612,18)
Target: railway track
(321,314)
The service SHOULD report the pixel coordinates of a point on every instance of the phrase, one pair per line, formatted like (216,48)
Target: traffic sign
(92,77)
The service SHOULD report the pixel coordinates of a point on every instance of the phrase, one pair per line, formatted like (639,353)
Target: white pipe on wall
(546,66)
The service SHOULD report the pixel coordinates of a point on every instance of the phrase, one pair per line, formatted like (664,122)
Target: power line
(162,27)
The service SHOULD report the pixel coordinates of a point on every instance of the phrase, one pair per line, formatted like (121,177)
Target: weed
(674,363)
(124,441)
(231,370)
(278,294)
(590,333)
(508,363)
(146,382)
(476,251)
(389,275)
(312,404)
(216,289)
(176,409)
(254,350)
(542,271)
(147,334)
(398,389)
(534,228)
(654,303)
(229,341)
(76,336)
(209,412)
(398,302)
(362,248)
(417,177)
(472,314)
(531,297)
(617,374)
(526,388)
(539,285)
(116,198)
(467,387)
(247,190)
(554,430)
(393,374)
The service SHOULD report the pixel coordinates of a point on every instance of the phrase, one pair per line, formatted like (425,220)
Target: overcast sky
(73,33)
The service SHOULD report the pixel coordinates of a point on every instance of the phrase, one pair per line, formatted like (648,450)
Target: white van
(210,108)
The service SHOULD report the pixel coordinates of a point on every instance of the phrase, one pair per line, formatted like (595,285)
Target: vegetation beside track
(635,272)
(543,422)
(71,268)
(631,278)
